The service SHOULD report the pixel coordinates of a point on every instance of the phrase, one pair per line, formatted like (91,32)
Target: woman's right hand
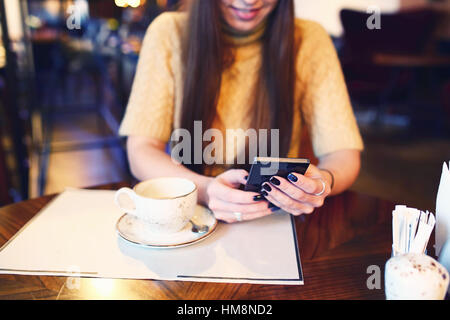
(228,202)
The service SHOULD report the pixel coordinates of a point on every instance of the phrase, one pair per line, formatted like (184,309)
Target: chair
(405,33)
(446,102)
(4,180)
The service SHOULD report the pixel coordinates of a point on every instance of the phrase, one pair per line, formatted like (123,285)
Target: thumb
(313,172)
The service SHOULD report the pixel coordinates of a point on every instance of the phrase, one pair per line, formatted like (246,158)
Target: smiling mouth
(245,14)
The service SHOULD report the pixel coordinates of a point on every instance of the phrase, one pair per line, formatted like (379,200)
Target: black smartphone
(263,168)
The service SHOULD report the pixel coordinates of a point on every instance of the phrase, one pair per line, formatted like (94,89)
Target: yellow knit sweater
(321,102)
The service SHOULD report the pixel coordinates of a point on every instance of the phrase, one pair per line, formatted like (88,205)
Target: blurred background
(67,66)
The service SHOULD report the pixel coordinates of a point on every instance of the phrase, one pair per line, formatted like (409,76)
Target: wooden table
(338,243)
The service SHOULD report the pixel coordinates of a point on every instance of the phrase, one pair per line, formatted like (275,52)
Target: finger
(259,214)
(228,194)
(280,199)
(309,185)
(255,207)
(312,171)
(230,217)
(225,216)
(234,177)
(294,192)
(279,206)
(274,202)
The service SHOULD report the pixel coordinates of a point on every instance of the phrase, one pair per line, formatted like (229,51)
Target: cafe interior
(67,69)
(64,91)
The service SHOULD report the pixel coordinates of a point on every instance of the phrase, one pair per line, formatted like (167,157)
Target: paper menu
(443,209)
(75,235)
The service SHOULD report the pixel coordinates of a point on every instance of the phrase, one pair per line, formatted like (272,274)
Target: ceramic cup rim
(164,198)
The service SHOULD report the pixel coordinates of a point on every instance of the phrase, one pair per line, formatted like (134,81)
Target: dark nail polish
(258,198)
(292,178)
(264,193)
(267,187)
(246,178)
(275,181)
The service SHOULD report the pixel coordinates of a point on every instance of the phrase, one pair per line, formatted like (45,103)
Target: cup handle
(130,193)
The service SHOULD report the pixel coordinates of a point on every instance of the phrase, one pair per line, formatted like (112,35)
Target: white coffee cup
(415,277)
(165,204)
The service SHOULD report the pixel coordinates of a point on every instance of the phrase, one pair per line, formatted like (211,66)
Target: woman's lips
(245,14)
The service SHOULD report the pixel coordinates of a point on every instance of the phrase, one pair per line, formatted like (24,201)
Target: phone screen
(264,168)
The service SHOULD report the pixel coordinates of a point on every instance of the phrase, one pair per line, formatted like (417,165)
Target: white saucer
(134,230)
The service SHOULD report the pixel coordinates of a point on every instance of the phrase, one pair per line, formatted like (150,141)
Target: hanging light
(121,3)
(134,3)
(126,3)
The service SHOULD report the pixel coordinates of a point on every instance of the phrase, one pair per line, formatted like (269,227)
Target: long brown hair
(206,55)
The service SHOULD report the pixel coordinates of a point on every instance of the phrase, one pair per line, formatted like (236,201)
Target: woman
(243,64)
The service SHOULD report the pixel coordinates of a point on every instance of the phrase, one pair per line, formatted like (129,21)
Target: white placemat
(75,235)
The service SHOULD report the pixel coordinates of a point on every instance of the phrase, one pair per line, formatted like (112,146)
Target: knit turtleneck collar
(240,38)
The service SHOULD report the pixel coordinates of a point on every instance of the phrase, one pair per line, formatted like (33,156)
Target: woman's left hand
(299,194)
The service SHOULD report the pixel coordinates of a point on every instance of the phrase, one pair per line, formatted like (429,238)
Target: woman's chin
(244,26)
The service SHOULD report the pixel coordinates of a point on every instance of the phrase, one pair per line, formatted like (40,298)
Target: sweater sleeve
(150,107)
(326,106)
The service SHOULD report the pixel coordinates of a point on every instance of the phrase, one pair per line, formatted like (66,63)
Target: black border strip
(297,251)
(297,254)
(235,278)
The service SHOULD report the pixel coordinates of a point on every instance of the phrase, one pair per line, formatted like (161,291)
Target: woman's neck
(241,38)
